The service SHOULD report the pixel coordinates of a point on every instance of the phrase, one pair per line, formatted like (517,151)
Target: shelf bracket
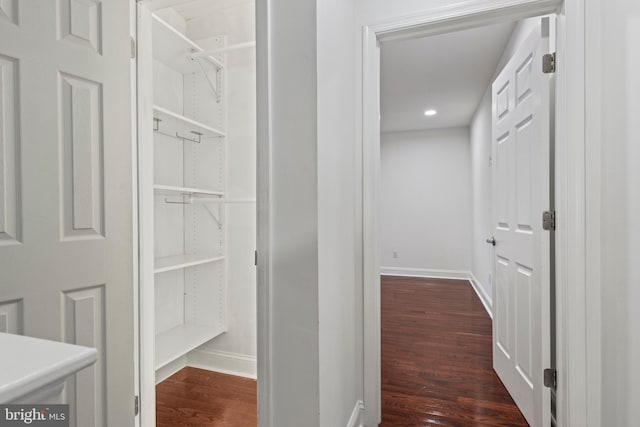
(215,218)
(189,200)
(215,87)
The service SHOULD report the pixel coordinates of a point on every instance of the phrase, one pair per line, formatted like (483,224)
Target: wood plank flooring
(436,357)
(436,368)
(200,398)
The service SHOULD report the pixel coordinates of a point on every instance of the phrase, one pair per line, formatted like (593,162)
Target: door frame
(575,356)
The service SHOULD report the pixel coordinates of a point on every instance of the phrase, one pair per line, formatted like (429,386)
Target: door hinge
(133,48)
(549,63)
(549,378)
(549,220)
(136,405)
(255,258)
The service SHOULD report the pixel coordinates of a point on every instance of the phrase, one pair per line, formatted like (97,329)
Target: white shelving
(178,262)
(171,190)
(180,340)
(172,48)
(225,49)
(189,151)
(178,126)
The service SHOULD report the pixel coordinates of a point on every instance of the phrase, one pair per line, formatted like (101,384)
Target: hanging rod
(205,200)
(230,48)
(156,128)
(171,202)
(184,138)
(191,200)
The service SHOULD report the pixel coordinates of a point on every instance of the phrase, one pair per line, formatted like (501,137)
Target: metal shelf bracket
(217,219)
(215,86)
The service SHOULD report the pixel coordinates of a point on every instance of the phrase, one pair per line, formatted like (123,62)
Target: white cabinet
(189,159)
(34,370)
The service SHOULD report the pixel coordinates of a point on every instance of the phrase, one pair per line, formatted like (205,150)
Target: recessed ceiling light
(430,113)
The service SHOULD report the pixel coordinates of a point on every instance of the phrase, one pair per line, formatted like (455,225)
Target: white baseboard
(171,368)
(356,415)
(220,361)
(482,294)
(424,272)
(443,274)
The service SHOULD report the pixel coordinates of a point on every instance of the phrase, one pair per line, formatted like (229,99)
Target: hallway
(436,357)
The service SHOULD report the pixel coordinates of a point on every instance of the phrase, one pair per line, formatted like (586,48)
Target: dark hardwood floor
(200,398)
(436,368)
(436,357)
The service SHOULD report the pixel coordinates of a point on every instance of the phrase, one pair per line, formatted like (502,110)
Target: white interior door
(521,138)
(66,261)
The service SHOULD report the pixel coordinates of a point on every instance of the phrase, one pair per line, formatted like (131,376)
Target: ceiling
(448,73)
(192,9)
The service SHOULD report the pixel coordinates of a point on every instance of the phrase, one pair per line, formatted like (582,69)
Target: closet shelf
(177,262)
(170,190)
(173,49)
(178,341)
(225,49)
(174,125)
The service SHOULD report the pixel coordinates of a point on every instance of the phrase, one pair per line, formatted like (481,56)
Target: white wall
(309,116)
(239,342)
(290,122)
(425,201)
(288,185)
(340,297)
(482,252)
(613,141)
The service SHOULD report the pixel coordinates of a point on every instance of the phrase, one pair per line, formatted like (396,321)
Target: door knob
(492,241)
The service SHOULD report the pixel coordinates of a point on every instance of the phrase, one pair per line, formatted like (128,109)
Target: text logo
(34,415)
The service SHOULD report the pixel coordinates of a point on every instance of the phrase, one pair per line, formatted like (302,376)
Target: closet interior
(196,114)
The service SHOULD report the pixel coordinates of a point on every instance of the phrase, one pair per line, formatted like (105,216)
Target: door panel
(521,135)
(501,180)
(523,310)
(66,242)
(10,215)
(501,321)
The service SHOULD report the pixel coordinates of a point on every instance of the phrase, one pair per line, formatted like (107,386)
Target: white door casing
(521,175)
(66,260)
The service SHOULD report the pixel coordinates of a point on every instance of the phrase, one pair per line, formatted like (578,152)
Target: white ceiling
(448,72)
(192,9)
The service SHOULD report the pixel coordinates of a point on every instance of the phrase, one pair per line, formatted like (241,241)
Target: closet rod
(205,200)
(183,138)
(156,128)
(230,48)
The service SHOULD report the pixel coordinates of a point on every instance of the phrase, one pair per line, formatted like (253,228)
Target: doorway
(438,22)
(443,174)
(197,211)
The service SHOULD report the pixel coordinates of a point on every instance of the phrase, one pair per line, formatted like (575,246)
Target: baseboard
(171,368)
(423,272)
(227,363)
(482,294)
(356,415)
